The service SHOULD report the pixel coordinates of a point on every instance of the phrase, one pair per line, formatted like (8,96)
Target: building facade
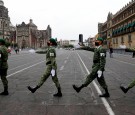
(6,28)
(28,36)
(119,29)
(64,42)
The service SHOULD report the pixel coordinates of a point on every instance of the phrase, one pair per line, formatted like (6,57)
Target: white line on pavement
(124,62)
(106,104)
(25,69)
(20,66)
(62,67)
(65,61)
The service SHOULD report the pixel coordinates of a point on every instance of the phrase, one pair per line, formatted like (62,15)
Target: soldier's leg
(132,84)
(102,82)
(125,90)
(57,84)
(4,81)
(88,80)
(42,80)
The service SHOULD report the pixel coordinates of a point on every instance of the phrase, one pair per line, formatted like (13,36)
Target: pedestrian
(125,89)
(16,50)
(111,52)
(99,61)
(51,69)
(3,66)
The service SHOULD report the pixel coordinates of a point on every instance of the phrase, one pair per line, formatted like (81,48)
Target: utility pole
(3,22)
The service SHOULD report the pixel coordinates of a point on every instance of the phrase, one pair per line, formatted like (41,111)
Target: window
(122,40)
(129,38)
(116,40)
(113,40)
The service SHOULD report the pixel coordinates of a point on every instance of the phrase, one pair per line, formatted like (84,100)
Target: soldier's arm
(102,59)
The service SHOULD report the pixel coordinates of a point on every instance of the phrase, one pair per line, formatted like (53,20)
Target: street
(73,66)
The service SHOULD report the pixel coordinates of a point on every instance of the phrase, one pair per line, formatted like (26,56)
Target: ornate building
(119,29)
(6,28)
(27,35)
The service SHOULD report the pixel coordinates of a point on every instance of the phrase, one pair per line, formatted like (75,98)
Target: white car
(32,51)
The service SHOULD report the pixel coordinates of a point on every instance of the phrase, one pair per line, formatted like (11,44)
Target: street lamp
(3,22)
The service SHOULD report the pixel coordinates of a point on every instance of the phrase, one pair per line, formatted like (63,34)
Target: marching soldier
(51,69)
(99,61)
(3,66)
(125,89)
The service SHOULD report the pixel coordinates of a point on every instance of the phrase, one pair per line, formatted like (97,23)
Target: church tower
(4,21)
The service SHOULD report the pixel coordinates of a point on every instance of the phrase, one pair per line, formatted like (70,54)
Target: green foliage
(41,51)
(68,46)
(130,50)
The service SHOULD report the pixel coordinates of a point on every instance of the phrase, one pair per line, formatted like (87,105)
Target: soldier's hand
(53,72)
(99,73)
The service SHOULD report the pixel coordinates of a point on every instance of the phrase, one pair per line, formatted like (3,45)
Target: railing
(121,51)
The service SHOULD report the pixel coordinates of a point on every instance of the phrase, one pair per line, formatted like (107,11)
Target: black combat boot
(78,89)
(59,94)
(106,94)
(33,89)
(5,92)
(125,90)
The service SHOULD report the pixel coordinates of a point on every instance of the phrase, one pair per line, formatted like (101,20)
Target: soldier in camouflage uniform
(51,68)
(125,89)
(3,66)
(99,61)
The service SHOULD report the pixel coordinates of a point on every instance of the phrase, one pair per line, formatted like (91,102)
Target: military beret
(52,40)
(2,41)
(100,39)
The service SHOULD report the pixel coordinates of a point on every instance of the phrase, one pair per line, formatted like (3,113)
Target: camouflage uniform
(99,61)
(51,64)
(125,89)
(4,67)
(132,84)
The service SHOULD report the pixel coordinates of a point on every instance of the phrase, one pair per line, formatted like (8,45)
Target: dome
(1,3)
(31,23)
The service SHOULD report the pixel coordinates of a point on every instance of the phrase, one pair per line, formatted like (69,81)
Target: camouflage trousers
(132,84)
(3,74)
(94,75)
(47,74)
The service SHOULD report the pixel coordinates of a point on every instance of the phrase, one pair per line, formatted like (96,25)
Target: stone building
(119,29)
(64,42)
(6,28)
(27,35)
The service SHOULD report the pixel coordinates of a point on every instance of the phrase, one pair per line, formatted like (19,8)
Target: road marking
(106,104)
(62,67)
(65,61)
(124,62)
(20,66)
(25,69)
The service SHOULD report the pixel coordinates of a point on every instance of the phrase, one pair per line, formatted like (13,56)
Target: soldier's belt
(49,62)
(95,61)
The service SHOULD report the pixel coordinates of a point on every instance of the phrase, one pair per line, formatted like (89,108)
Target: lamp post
(3,22)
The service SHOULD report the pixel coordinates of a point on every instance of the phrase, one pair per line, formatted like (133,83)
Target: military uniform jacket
(99,58)
(50,57)
(3,57)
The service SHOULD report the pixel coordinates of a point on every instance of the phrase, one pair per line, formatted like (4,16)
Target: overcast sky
(67,18)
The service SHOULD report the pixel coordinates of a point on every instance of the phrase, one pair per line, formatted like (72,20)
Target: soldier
(99,61)
(3,66)
(51,69)
(125,89)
